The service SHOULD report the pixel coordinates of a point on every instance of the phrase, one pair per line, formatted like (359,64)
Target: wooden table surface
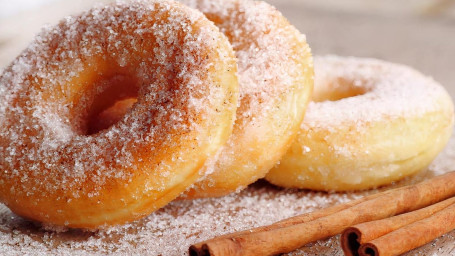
(419,33)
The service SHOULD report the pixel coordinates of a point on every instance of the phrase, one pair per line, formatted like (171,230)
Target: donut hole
(111,115)
(110,105)
(337,89)
(103,94)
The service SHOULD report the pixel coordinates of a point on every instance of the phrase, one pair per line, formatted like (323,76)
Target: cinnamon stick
(353,237)
(411,236)
(290,221)
(284,237)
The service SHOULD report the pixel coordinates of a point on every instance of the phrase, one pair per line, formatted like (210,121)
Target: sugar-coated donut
(55,168)
(371,123)
(276,80)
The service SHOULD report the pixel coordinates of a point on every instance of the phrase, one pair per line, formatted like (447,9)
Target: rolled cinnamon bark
(288,222)
(411,236)
(271,241)
(353,237)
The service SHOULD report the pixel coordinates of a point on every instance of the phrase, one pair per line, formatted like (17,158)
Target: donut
(370,123)
(276,81)
(57,169)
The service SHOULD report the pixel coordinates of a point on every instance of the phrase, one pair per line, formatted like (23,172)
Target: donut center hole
(111,115)
(337,89)
(113,97)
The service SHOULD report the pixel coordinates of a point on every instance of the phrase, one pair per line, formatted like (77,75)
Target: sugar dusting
(271,55)
(390,91)
(263,46)
(44,149)
(172,229)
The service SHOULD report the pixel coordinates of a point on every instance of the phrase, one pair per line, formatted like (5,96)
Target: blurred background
(419,33)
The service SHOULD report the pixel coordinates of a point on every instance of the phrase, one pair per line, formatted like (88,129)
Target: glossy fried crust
(371,123)
(57,168)
(276,80)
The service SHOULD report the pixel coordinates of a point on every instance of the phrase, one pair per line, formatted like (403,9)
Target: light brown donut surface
(371,123)
(276,80)
(57,168)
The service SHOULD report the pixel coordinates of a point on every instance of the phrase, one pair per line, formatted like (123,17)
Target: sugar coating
(171,230)
(270,56)
(263,48)
(389,91)
(43,145)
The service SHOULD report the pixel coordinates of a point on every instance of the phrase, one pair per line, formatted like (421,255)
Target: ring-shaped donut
(56,169)
(276,81)
(371,123)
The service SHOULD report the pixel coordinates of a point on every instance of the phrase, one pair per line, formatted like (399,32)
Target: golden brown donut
(275,75)
(57,168)
(371,123)
(276,80)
